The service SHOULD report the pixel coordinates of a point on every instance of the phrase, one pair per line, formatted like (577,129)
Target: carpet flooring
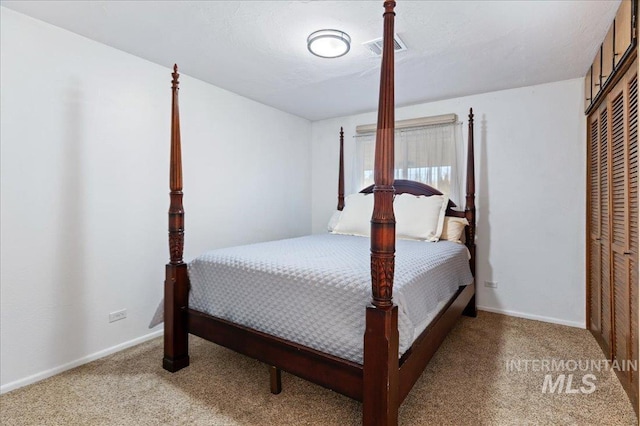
(468,382)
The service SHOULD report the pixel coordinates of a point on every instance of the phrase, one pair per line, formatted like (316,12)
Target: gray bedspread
(313,290)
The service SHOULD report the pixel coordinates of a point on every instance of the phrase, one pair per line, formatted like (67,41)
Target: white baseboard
(84,360)
(576,324)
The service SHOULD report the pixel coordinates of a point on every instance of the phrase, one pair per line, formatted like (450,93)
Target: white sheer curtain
(428,154)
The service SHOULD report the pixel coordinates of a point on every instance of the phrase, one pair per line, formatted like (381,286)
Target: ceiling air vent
(375,46)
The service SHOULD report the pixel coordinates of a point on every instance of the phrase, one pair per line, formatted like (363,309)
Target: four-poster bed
(385,375)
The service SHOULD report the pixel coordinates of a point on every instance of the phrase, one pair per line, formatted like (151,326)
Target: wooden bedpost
(341,173)
(381,375)
(470,213)
(176,285)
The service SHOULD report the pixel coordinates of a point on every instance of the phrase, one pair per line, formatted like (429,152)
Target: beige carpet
(466,383)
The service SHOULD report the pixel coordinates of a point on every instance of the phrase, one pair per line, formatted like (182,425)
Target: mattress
(313,290)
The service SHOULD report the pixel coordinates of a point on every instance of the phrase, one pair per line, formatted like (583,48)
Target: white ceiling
(258,48)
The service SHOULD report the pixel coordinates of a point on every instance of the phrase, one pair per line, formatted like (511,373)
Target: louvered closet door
(619,221)
(623,177)
(633,222)
(612,262)
(606,320)
(594,224)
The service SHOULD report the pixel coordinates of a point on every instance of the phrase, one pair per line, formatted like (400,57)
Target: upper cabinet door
(607,56)
(587,89)
(623,31)
(595,74)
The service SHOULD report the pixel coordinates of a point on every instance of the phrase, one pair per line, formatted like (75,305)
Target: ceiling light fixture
(329,43)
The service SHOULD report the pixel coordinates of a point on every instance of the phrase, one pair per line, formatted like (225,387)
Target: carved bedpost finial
(389,6)
(175,75)
(383,222)
(176,211)
(471,184)
(341,173)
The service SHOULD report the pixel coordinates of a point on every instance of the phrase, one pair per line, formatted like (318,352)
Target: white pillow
(453,229)
(335,218)
(420,218)
(356,215)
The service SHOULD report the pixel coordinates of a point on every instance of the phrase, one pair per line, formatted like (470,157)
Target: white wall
(530,193)
(84,184)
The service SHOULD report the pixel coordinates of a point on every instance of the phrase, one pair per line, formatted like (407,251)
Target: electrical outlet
(491,284)
(117,315)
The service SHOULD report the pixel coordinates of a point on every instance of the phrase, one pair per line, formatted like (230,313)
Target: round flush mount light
(329,43)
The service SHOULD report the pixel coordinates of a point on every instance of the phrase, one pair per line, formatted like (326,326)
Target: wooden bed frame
(384,380)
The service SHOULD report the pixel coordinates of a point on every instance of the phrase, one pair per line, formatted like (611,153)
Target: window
(427,154)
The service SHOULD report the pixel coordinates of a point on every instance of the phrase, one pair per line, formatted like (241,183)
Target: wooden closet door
(619,193)
(633,225)
(612,262)
(593,269)
(622,104)
(606,313)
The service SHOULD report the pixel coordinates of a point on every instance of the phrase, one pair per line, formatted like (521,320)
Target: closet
(612,210)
